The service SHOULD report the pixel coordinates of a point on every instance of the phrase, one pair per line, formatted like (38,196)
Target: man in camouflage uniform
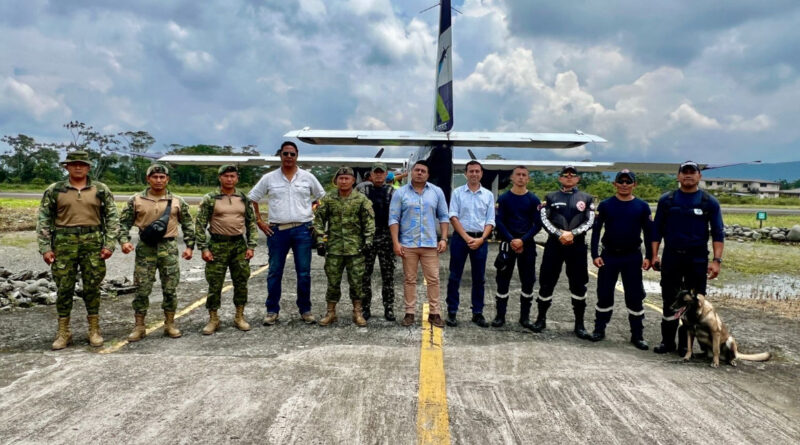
(143,208)
(231,223)
(380,193)
(77,228)
(347,219)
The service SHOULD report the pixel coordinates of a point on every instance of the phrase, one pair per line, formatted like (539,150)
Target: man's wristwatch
(717,259)
(443,239)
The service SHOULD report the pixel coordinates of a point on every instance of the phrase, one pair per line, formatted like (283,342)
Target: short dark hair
(519,166)
(422,162)
(473,162)
(287,143)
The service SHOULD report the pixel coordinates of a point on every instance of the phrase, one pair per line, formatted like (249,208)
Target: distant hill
(789,171)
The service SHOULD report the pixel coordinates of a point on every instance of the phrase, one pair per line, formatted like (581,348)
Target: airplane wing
(582,166)
(454,138)
(334,161)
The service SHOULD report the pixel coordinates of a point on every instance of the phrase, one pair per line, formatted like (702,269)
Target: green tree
(28,160)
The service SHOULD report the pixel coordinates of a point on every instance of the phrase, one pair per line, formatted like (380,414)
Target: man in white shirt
(290,192)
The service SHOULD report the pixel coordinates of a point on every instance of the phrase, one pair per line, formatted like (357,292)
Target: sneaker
(408,320)
(436,320)
(479,320)
(308,318)
(451,319)
(270,318)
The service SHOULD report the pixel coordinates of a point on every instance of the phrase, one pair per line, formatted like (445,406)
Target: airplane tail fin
(443,109)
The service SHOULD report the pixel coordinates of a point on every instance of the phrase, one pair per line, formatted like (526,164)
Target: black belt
(79,230)
(215,237)
(475,234)
(701,250)
(620,250)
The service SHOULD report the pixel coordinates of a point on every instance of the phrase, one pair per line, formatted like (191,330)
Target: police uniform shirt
(572,210)
(686,221)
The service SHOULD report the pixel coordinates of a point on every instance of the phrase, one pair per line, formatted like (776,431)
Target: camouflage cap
(77,156)
(378,166)
(344,171)
(227,168)
(157,168)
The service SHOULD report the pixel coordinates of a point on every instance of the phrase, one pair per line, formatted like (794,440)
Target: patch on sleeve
(580,205)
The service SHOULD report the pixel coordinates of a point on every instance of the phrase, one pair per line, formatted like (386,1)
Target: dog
(703,322)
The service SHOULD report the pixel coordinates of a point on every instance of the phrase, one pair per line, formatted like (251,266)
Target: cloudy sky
(662,81)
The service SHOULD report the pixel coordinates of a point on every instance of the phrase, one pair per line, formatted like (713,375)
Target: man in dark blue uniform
(566,216)
(517,223)
(625,218)
(684,219)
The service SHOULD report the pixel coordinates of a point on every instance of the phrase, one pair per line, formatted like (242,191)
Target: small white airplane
(437,146)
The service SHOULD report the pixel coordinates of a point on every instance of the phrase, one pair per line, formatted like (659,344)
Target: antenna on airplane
(431,7)
(472,155)
(380,153)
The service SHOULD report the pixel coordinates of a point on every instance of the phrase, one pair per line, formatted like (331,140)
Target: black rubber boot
(601,320)
(500,319)
(365,312)
(637,332)
(541,317)
(578,308)
(682,341)
(388,313)
(668,329)
(525,312)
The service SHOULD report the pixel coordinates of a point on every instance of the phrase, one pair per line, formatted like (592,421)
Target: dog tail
(760,357)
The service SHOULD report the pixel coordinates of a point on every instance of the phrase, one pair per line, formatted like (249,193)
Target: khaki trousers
(430,270)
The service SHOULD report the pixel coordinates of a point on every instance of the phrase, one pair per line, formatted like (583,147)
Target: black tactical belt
(475,234)
(215,237)
(700,250)
(78,230)
(620,250)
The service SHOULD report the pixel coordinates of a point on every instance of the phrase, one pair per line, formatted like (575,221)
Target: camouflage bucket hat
(227,168)
(344,171)
(379,166)
(77,156)
(157,168)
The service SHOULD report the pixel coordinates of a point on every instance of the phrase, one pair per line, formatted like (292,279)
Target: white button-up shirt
(289,201)
(474,210)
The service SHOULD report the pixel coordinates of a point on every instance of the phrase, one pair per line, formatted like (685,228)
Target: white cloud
(23,97)
(685,114)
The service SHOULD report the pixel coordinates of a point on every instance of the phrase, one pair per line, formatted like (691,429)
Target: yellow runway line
(433,421)
(116,346)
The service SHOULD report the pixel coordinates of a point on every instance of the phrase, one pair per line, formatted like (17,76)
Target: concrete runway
(294,383)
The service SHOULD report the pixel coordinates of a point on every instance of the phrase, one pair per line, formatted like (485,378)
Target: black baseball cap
(625,172)
(569,167)
(690,164)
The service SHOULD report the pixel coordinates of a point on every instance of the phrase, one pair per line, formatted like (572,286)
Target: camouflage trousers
(164,258)
(334,269)
(382,248)
(74,251)
(227,255)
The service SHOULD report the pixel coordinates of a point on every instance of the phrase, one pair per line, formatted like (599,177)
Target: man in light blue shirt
(472,217)
(415,210)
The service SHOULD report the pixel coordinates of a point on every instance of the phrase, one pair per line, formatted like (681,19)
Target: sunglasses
(625,182)
(291,154)
(569,175)
(688,170)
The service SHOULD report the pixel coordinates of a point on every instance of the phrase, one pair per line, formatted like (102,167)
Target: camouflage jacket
(128,217)
(48,210)
(206,210)
(348,222)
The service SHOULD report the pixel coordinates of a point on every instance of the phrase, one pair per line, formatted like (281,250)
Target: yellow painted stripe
(116,345)
(433,421)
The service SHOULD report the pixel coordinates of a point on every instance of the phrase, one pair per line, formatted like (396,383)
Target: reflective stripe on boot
(170,330)
(139,330)
(95,339)
(63,336)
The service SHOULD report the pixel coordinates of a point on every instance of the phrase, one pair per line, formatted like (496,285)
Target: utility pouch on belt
(155,232)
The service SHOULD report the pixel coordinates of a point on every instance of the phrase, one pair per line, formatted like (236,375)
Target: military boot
(541,317)
(668,329)
(500,319)
(139,330)
(213,323)
(601,320)
(365,312)
(358,318)
(64,336)
(170,329)
(95,339)
(637,331)
(239,321)
(330,315)
(388,313)
(580,329)
(525,312)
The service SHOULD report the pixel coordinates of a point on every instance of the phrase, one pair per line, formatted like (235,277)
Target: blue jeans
(459,251)
(299,240)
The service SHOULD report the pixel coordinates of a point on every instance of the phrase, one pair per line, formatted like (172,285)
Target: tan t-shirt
(228,217)
(78,208)
(149,208)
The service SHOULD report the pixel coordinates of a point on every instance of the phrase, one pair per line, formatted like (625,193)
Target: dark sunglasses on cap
(289,153)
(624,182)
(689,169)
(569,175)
